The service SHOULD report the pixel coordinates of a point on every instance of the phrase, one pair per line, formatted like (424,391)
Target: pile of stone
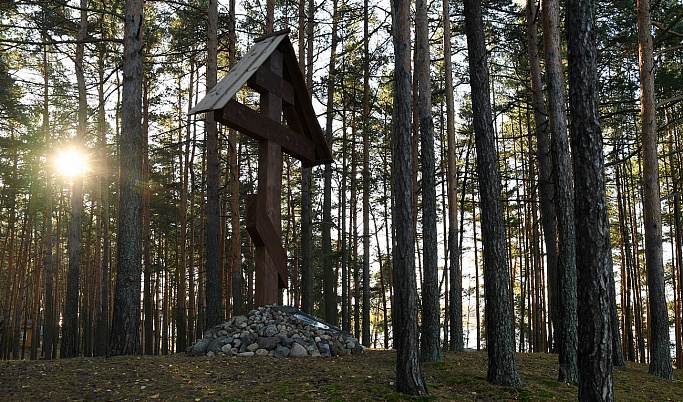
(277,331)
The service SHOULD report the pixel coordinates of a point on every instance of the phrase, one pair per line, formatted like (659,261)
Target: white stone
(252,347)
(261,352)
(246,354)
(315,353)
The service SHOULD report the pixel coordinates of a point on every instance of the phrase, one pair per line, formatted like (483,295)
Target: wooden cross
(270,67)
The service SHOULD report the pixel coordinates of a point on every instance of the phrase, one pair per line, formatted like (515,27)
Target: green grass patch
(552,383)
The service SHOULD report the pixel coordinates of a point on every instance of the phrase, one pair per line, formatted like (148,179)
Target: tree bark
(660,358)
(235,239)
(306,203)
(562,175)
(69,346)
(329,275)
(408,375)
(48,266)
(500,339)
(125,335)
(431,307)
(592,228)
(146,225)
(366,177)
(213,284)
(455,272)
(345,305)
(183,162)
(545,181)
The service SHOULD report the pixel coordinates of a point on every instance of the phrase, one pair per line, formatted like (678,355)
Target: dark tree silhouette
(213,230)
(408,375)
(500,341)
(592,226)
(125,327)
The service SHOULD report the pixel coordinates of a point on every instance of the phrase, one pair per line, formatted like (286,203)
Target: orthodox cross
(270,67)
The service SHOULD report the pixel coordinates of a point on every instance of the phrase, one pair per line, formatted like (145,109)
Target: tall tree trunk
(48,266)
(617,352)
(194,326)
(562,176)
(213,230)
(660,358)
(187,168)
(353,212)
(125,335)
(431,307)
(366,176)
(455,272)
(679,258)
(102,326)
(235,238)
(329,276)
(500,339)
(69,346)
(346,314)
(307,274)
(183,161)
(592,226)
(408,375)
(148,333)
(626,271)
(477,296)
(545,181)
(20,286)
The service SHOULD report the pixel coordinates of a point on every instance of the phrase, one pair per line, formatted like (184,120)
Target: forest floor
(180,377)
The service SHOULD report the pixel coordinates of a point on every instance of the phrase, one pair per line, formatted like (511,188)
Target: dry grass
(461,376)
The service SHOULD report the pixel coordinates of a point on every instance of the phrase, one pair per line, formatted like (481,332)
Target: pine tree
(125,335)
(408,375)
(499,329)
(592,229)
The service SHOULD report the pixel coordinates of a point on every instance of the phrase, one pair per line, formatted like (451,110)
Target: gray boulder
(269,343)
(324,349)
(217,344)
(268,331)
(298,351)
(239,320)
(200,347)
(281,351)
(287,342)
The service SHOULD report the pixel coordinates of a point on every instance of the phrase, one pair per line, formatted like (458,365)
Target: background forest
(60,97)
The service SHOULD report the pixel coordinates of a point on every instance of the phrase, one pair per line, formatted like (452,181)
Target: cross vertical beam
(268,195)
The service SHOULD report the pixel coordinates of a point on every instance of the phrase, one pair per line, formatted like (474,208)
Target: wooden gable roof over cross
(303,137)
